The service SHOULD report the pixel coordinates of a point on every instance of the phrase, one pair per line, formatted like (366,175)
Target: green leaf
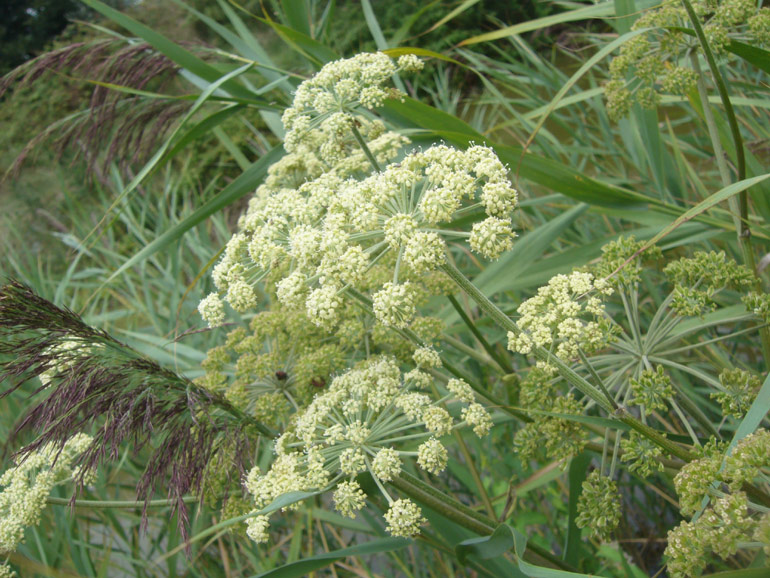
(374,26)
(401,50)
(578,469)
(456,12)
(486,547)
(533,571)
(600,10)
(295,15)
(412,112)
(752,54)
(624,15)
(703,206)
(308,47)
(245,183)
(301,568)
(754,416)
(587,65)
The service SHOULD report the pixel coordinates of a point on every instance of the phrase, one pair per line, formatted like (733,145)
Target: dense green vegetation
(498,306)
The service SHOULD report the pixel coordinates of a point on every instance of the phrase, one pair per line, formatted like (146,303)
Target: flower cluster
(758,304)
(739,388)
(652,390)
(699,278)
(321,240)
(28,484)
(621,261)
(358,424)
(321,118)
(726,522)
(718,530)
(599,505)
(695,480)
(337,208)
(275,367)
(642,455)
(559,438)
(563,317)
(652,60)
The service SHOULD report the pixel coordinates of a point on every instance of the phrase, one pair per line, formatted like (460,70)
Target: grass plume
(93,382)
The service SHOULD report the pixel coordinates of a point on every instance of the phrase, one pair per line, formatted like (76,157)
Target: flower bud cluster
(599,505)
(559,438)
(359,424)
(699,278)
(279,364)
(642,455)
(27,485)
(621,261)
(652,390)
(650,64)
(739,388)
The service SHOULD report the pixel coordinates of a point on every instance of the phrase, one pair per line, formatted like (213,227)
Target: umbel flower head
(27,485)
(599,505)
(318,242)
(324,219)
(322,116)
(563,317)
(370,419)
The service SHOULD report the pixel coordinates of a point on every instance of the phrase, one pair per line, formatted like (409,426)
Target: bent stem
(738,207)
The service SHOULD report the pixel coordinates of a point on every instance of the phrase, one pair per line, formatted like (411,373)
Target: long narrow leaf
(301,568)
(244,184)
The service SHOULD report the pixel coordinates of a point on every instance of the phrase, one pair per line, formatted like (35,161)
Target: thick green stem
(503,362)
(365,148)
(118,504)
(443,504)
(739,207)
(474,474)
(460,513)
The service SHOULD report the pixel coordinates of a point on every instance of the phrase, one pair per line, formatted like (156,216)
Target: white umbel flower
(212,310)
(432,456)
(349,498)
(404,519)
(394,305)
(256,528)
(492,237)
(241,296)
(323,306)
(386,465)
